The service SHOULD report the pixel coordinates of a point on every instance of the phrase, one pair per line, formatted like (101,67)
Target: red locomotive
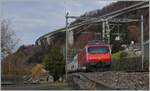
(95,53)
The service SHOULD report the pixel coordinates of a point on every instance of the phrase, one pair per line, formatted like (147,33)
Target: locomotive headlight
(99,57)
(84,68)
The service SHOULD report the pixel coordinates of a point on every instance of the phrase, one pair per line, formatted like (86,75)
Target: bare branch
(8,38)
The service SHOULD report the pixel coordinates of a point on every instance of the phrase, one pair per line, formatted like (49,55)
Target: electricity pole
(66,43)
(67,24)
(142,39)
(103,30)
(107,31)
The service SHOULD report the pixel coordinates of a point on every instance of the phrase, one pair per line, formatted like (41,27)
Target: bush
(36,71)
(130,64)
(123,54)
(54,62)
(119,55)
(116,56)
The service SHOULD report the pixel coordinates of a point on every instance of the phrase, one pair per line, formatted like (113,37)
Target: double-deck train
(95,54)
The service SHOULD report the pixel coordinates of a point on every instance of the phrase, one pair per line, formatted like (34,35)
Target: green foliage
(123,54)
(54,62)
(116,56)
(119,55)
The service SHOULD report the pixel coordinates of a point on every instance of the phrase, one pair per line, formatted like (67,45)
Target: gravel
(122,80)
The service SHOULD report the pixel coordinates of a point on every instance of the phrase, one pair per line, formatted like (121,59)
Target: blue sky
(31,19)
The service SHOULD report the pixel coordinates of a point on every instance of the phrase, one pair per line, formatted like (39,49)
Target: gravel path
(121,80)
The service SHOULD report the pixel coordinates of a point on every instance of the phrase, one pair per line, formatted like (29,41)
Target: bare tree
(8,39)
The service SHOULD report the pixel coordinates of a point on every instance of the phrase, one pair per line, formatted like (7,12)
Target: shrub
(123,54)
(54,62)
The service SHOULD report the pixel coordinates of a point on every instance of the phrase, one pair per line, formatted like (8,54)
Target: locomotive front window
(98,49)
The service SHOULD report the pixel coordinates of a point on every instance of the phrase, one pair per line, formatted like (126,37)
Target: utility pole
(107,31)
(103,30)
(142,40)
(66,44)
(67,24)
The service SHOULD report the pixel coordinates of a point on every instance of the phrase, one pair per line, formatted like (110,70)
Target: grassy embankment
(122,61)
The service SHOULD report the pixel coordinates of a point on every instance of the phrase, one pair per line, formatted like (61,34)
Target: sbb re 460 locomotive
(95,54)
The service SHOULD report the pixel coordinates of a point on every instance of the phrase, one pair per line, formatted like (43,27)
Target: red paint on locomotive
(95,53)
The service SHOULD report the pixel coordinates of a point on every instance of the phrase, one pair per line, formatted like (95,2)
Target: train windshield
(98,49)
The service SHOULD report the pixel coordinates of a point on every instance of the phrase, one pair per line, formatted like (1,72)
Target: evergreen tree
(54,62)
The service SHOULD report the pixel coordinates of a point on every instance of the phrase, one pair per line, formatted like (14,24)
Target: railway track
(85,83)
(110,80)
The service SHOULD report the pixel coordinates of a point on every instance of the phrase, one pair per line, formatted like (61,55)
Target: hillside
(22,60)
(107,9)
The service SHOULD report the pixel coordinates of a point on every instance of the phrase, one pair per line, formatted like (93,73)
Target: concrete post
(142,40)
(66,43)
